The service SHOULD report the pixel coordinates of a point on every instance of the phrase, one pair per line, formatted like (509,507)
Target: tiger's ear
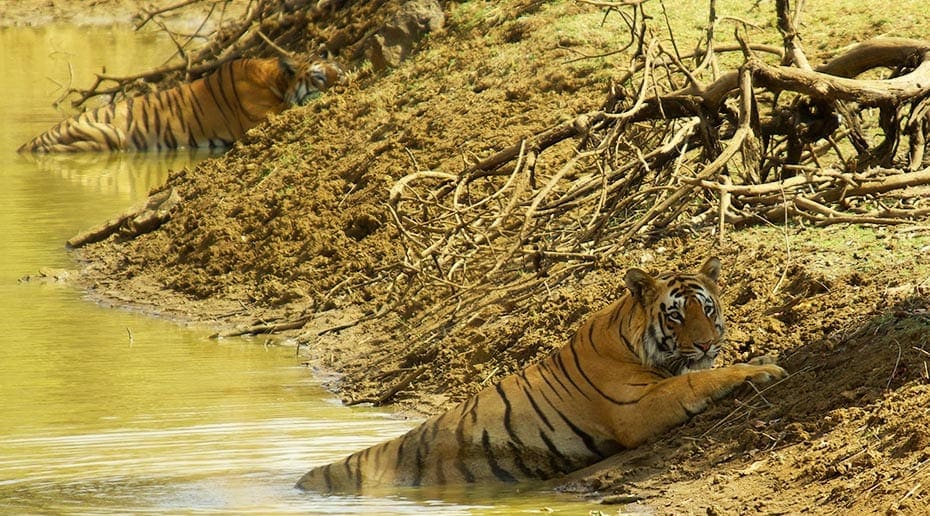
(324,53)
(288,65)
(641,285)
(711,268)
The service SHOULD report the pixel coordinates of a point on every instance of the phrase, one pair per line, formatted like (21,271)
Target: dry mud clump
(292,223)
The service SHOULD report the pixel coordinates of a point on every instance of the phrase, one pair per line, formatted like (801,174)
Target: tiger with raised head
(634,369)
(210,112)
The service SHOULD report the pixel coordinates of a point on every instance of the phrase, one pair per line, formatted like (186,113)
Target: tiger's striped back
(632,371)
(211,112)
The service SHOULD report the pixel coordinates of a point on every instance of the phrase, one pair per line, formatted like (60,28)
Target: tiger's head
(683,318)
(307,78)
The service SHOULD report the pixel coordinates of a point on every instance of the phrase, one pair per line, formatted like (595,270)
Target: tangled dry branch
(669,152)
(677,146)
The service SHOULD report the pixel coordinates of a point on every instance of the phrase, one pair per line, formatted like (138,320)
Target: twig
(259,329)
(759,392)
(894,370)
(150,15)
(389,393)
(274,45)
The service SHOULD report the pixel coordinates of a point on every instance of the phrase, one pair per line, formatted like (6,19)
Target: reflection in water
(117,173)
(106,411)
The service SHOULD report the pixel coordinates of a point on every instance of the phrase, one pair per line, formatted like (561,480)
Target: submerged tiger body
(210,112)
(635,369)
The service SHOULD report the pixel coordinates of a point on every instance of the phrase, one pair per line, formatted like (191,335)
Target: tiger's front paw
(766,373)
(763,360)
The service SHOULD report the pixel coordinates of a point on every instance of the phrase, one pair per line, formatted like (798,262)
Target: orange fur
(634,369)
(213,111)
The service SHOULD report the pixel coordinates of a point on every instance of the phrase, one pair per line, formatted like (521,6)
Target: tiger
(211,112)
(633,370)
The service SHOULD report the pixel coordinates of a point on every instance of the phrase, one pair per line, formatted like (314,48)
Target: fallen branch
(391,391)
(137,220)
(261,329)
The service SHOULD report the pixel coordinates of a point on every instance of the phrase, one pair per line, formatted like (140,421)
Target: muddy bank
(292,225)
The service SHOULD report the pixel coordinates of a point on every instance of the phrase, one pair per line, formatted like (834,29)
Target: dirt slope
(292,222)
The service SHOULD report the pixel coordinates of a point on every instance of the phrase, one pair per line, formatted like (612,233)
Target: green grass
(835,250)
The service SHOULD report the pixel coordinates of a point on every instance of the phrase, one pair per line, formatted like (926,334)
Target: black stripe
(143,115)
(81,133)
(139,132)
(347,466)
(235,91)
(629,345)
(516,444)
(591,327)
(400,449)
(658,339)
(358,468)
(327,477)
(564,370)
(110,139)
(539,412)
(584,436)
(144,130)
(175,102)
(157,123)
(467,475)
(517,453)
(109,113)
(508,424)
(195,119)
(615,315)
(419,463)
(595,387)
(440,475)
(170,141)
(691,284)
(87,128)
(631,312)
(557,459)
(233,106)
(215,91)
(545,372)
(176,111)
(499,472)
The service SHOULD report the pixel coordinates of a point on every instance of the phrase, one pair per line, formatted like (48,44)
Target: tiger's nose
(703,346)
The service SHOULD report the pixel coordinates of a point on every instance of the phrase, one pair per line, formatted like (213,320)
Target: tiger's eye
(674,317)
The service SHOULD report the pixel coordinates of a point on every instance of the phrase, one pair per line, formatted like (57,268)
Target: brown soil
(279,226)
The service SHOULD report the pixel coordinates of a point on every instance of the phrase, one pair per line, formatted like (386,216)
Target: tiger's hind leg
(82,136)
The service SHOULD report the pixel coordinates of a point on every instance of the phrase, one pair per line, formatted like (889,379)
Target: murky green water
(110,411)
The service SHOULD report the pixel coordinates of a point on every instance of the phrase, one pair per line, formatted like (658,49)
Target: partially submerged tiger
(634,369)
(210,112)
